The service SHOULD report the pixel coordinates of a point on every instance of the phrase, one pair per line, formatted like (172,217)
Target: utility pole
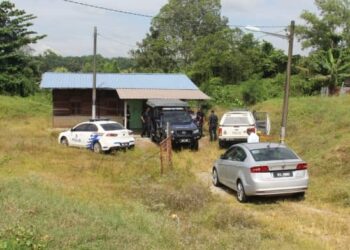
(287,83)
(94,77)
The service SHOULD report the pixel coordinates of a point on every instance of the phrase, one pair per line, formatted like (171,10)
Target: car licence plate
(185,140)
(282,174)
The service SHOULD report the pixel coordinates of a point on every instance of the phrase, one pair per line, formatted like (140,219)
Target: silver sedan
(253,169)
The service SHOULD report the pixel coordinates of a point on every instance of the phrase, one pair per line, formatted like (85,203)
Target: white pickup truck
(234,124)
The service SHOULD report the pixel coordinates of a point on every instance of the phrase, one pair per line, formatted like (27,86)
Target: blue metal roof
(114,81)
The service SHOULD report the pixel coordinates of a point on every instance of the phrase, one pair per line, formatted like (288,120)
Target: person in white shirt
(252,137)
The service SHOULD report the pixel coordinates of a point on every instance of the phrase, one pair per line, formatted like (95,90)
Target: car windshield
(111,126)
(176,117)
(236,120)
(273,154)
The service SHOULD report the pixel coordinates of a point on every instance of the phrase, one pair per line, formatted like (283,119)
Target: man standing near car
(200,120)
(146,122)
(213,124)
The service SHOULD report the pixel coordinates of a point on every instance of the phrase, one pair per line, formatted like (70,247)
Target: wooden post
(169,149)
(161,159)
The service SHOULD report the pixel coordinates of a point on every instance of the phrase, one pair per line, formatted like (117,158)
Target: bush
(254,92)
(226,95)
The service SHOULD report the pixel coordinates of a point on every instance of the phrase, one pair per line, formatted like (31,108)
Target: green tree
(330,67)
(217,56)
(18,71)
(60,70)
(175,32)
(329,30)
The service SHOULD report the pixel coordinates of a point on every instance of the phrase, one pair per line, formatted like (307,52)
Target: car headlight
(196,131)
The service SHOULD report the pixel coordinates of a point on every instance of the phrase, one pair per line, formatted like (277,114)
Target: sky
(69,27)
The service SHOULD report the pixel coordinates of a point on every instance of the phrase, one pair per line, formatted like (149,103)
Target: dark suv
(183,129)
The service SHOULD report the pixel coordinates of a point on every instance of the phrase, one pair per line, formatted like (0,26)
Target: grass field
(64,198)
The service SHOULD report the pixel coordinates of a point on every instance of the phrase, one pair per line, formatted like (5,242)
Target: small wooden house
(117,95)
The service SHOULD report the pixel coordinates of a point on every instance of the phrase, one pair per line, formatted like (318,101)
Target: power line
(116,41)
(149,16)
(108,9)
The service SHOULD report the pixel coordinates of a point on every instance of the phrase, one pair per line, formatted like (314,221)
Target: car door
(89,137)
(78,135)
(263,123)
(224,165)
(237,162)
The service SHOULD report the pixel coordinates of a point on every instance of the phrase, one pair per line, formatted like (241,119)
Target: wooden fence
(166,151)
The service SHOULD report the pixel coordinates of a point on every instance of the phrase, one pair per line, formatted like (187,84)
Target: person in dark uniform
(213,124)
(128,117)
(146,122)
(200,120)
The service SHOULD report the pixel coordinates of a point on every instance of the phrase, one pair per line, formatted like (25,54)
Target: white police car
(98,135)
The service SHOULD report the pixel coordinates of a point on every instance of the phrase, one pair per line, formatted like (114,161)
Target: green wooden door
(135,109)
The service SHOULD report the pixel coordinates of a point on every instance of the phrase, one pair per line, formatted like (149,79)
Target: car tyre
(221,144)
(97,148)
(241,196)
(64,141)
(194,145)
(300,196)
(215,178)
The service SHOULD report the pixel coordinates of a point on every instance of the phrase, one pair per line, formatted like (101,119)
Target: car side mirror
(71,130)
(222,157)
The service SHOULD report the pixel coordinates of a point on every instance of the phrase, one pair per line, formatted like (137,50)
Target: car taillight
(259,169)
(220,132)
(112,134)
(302,166)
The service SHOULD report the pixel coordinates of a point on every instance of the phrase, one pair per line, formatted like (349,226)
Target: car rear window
(236,120)
(111,126)
(273,154)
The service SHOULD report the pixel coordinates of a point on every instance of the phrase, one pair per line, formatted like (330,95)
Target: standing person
(200,120)
(128,115)
(213,124)
(252,137)
(146,118)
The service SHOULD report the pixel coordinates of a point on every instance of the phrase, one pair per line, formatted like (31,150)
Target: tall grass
(55,197)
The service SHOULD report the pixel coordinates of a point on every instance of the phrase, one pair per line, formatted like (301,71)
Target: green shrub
(254,92)
(226,95)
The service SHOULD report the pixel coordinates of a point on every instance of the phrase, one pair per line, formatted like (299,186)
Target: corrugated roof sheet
(166,103)
(114,81)
(185,94)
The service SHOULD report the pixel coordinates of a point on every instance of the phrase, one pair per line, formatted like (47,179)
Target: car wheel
(64,141)
(195,145)
(215,178)
(97,148)
(241,196)
(300,196)
(153,138)
(221,144)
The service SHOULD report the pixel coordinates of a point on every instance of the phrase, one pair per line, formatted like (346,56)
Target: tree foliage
(193,37)
(328,34)
(18,71)
(329,30)
(50,61)
(174,33)
(330,67)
